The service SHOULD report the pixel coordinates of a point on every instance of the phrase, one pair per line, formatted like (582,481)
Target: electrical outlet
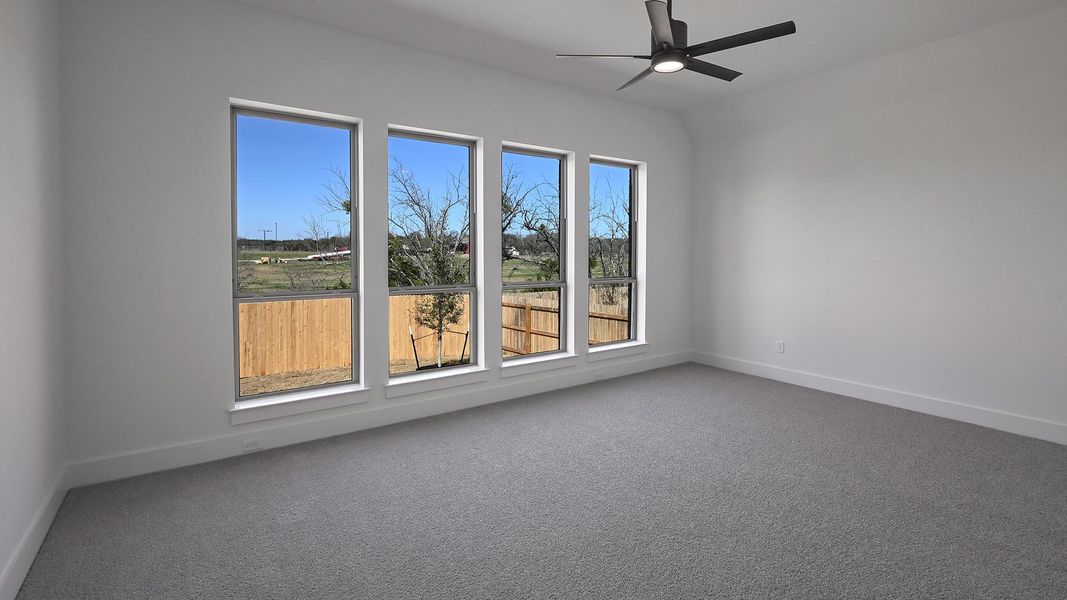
(780,345)
(250,445)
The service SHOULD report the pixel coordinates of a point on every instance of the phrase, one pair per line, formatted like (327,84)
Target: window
(431,253)
(532,254)
(294,276)
(612,276)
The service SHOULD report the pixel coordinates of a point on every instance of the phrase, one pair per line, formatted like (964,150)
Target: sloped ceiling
(523,36)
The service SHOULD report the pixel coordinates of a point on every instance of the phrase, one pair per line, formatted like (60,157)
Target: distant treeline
(301,245)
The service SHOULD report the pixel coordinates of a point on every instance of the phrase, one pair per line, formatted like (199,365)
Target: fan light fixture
(668,63)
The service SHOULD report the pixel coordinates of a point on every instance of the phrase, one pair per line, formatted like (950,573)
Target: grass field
(256,277)
(257,254)
(259,277)
(518,269)
(598,271)
(271,276)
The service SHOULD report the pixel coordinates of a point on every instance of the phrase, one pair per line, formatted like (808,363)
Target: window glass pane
(530,217)
(609,313)
(293,206)
(429,331)
(531,321)
(610,200)
(429,213)
(291,344)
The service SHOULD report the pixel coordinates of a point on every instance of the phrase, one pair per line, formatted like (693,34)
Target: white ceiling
(522,36)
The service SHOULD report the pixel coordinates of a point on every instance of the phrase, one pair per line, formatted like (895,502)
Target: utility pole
(265,231)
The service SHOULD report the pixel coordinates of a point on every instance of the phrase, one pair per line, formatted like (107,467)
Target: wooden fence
(531,323)
(401,353)
(609,321)
(303,335)
(294,335)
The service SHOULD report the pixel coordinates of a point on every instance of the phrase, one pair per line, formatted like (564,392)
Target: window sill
(417,383)
(296,403)
(537,364)
(610,351)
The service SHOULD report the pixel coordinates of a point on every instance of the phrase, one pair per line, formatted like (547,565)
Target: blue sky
(430,161)
(605,179)
(282,167)
(434,164)
(531,170)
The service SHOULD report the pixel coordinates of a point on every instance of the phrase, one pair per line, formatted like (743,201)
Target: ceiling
(523,36)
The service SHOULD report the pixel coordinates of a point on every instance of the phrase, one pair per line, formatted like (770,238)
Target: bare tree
(542,221)
(246,274)
(609,237)
(532,208)
(429,241)
(336,203)
(316,274)
(337,194)
(512,200)
(315,232)
(433,235)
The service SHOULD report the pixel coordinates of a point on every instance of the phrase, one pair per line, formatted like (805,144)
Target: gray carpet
(686,482)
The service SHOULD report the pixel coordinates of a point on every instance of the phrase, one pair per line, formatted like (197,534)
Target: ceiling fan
(671,54)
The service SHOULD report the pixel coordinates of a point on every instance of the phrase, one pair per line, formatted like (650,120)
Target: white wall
(31,436)
(901,224)
(149,339)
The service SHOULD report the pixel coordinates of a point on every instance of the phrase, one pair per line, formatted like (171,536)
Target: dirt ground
(293,380)
(405,366)
(278,382)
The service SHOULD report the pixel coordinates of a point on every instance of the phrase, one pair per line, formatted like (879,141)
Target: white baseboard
(15,570)
(976,415)
(329,423)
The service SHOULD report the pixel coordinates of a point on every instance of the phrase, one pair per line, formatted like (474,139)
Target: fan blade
(639,77)
(644,56)
(661,23)
(706,68)
(743,39)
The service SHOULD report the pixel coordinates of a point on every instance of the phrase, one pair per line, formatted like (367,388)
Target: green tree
(437,312)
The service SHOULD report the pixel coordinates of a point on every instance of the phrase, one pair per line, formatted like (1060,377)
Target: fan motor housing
(680,30)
